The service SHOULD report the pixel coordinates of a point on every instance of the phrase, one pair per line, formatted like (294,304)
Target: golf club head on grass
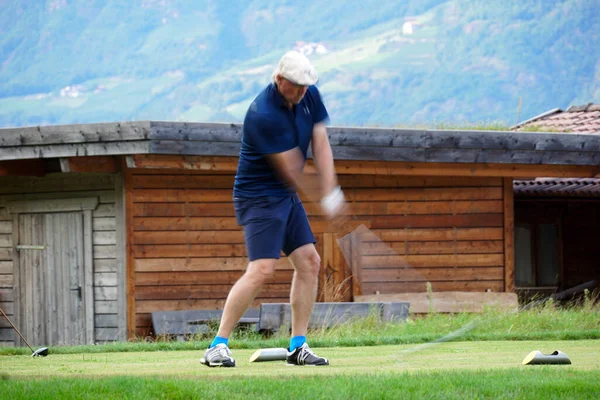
(42,352)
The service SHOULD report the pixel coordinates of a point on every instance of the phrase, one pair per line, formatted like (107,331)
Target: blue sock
(219,340)
(296,342)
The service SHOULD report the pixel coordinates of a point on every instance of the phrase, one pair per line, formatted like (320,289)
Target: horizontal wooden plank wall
(444,230)
(187,250)
(62,186)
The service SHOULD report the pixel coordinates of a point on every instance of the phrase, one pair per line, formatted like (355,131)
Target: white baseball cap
(296,67)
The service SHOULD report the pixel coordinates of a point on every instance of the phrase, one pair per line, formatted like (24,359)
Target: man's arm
(332,197)
(323,158)
(289,165)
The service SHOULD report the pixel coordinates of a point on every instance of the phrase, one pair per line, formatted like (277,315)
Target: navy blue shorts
(272,224)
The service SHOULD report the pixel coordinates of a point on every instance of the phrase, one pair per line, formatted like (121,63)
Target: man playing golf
(279,125)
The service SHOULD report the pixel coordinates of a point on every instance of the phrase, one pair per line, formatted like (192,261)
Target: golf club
(39,352)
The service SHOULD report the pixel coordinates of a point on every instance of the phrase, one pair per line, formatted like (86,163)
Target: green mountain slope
(75,61)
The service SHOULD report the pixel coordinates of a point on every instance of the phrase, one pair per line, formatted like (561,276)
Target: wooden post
(328,267)
(509,236)
(129,266)
(16,277)
(88,273)
(322,272)
(343,271)
(355,244)
(121,254)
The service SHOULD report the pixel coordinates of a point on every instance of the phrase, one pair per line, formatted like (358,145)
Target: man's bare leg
(306,263)
(243,293)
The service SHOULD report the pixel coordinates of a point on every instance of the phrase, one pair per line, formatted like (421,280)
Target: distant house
(557,219)
(578,119)
(410,24)
(103,224)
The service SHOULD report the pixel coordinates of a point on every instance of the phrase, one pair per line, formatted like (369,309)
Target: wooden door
(51,278)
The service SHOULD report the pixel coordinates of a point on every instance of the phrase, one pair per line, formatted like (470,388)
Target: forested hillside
(382,63)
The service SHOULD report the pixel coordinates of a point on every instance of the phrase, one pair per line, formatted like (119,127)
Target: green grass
(446,370)
(547,321)
(536,128)
(544,383)
(436,356)
(474,126)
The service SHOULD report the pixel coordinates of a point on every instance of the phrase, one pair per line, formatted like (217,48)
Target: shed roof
(557,187)
(357,143)
(577,119)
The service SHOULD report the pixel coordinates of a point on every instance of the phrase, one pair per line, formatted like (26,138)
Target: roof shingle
(580,119)
(561,187)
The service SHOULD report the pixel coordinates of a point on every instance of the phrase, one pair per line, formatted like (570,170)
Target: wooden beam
(76,133)
(398,154)
(509,236)
(185,263)
(206,163)
(341,257)
(121,219)
(356,263)
(195,148)
(50,205)
(206,277)
(448,302)
(50,186)
(406,145)
(328,267)
(17,276)
(35,167)
(88,277)
(411,146)
(100,164)
(484,155)
(350,137)
(417,261)
(435,221)
(346,167)
(437,286)
(193,131)
(73,150)
(350,167)
(130,260)
(460,169)
(457,139)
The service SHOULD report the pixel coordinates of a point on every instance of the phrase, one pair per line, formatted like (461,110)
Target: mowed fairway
(454,356)
(450,370)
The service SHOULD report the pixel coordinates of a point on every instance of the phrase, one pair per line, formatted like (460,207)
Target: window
(536,255)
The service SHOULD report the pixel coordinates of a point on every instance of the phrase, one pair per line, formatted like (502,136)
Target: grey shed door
(51,278)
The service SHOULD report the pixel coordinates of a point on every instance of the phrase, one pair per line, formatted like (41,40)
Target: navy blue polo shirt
(270,128)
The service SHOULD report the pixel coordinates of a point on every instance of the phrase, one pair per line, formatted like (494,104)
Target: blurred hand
(334,203)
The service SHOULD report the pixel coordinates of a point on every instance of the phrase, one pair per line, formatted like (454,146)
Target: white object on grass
(272,354)
(537,357)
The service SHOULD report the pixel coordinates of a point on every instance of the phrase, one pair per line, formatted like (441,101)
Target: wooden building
(556,236)
(557,219)
(102,224)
